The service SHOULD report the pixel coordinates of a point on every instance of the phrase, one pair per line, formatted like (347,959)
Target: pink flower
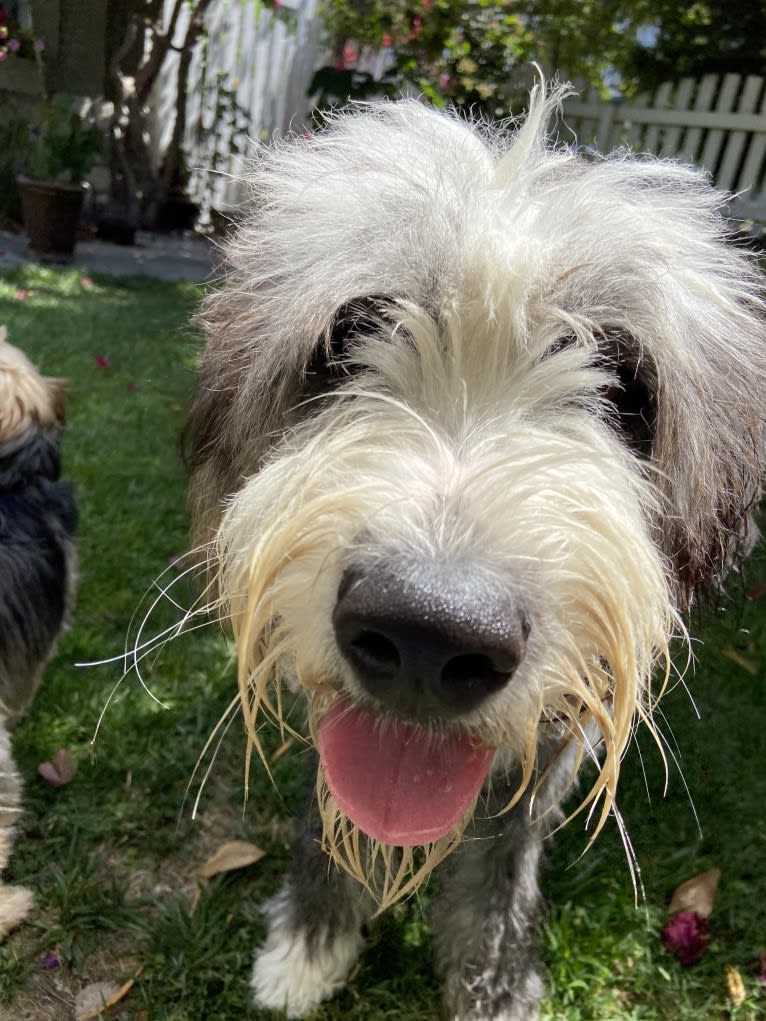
(86,282)
(21,294)
(14,45)
(686,936)
(39,45)
(102,362)
(3,54)
(386,42)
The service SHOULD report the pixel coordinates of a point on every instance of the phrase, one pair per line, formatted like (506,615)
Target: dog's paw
(15,904)
(295,974)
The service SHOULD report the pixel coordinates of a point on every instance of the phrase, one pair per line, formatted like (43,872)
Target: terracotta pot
(51,213)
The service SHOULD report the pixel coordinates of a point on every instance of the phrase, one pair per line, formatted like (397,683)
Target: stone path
(156,255)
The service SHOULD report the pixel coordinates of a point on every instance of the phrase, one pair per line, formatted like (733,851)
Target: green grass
(112,855)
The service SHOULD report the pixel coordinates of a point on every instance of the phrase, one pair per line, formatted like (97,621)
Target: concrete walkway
(155,255)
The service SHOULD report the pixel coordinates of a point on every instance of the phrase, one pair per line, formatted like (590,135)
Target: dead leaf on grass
(696,894)
(735,986)
(740,660)
(234,854)
(91,1002)
(60,770)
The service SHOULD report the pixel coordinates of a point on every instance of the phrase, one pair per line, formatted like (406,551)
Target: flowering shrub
(16,40)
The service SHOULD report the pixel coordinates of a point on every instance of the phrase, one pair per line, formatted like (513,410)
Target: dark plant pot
(177,213)
(51,213)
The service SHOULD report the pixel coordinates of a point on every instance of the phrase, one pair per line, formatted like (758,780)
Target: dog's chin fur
(37,568)
(453,345)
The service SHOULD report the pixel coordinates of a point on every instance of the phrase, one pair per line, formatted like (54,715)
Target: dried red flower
(686,936)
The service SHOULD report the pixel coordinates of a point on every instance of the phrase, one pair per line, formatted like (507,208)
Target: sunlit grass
(112,855)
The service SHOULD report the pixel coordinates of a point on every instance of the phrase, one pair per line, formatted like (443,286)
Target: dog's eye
(631,396)
(354,320)
(561,343)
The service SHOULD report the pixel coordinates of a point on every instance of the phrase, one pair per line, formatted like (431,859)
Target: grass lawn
(112,855)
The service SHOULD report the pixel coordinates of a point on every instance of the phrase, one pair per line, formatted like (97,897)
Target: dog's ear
(27,399)
(58,390)
(710,439)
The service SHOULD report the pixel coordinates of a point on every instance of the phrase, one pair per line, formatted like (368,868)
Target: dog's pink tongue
(395,781)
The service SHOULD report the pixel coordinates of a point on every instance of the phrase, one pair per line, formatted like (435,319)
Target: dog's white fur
(479,425)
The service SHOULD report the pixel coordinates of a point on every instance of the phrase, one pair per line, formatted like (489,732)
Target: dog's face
(485,416)
(27,399)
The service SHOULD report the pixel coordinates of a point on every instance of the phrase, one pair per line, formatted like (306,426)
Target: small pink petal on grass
(696,894)
(234,854)
(22,294)
(686,936)
(102,362)
(60,770)
(86,282)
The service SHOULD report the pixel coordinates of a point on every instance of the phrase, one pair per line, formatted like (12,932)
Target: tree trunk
(139,186)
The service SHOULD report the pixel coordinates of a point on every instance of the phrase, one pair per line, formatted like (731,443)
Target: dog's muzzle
(428,640)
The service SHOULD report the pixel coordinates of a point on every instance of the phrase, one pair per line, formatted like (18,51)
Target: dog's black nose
(428,639)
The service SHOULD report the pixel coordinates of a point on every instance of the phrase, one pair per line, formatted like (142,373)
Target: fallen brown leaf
(739,659)
(94,999)
(696,894)
(234,854)
(735,986)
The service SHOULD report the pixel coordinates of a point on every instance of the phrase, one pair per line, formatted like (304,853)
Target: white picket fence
(248,80)
(717,122)
(264,62)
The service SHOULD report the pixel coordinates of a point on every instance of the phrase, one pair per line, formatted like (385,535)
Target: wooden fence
(718,123)
(250,80)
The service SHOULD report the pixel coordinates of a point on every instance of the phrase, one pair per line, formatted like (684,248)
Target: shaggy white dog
(477,418)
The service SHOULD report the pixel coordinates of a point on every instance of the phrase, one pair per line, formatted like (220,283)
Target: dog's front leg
(485,924)
(15,901)
(315,932)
